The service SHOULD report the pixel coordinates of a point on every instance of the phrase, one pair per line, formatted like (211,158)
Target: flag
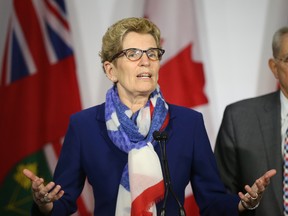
(181,77)
(180,70)
(38,93)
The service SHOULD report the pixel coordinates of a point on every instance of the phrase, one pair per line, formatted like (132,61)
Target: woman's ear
(110,71)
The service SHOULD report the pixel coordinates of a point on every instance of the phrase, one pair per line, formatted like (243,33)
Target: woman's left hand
(252,198)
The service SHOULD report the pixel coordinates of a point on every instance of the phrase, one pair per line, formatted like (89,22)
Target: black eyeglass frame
(124,52)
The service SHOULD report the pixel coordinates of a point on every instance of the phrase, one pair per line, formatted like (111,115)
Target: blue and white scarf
(133,134)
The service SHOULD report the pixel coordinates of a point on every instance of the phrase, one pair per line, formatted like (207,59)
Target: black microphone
(161,138)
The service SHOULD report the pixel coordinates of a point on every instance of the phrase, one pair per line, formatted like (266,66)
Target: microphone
(161,138)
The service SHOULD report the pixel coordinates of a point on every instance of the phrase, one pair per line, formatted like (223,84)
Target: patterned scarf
(141,184)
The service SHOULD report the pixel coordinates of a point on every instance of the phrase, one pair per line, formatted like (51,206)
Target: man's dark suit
(249,144)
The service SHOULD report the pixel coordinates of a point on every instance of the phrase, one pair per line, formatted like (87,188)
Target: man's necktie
(285,179)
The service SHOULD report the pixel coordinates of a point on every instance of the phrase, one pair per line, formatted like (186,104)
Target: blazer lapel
(100,117)
(270,113)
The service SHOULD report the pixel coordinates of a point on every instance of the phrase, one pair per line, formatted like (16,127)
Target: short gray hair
(277,40)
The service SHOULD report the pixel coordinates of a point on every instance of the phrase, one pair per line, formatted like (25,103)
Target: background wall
(235,41)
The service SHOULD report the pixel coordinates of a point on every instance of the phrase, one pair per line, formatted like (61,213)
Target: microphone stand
(161,138)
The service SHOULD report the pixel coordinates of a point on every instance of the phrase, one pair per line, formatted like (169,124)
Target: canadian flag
(181,69)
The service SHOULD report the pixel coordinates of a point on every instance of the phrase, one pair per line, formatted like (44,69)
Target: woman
(112,144)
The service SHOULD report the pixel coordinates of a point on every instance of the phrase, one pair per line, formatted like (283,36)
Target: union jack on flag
(38,93)
(33,43)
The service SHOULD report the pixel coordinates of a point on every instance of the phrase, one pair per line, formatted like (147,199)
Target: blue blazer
(88,152)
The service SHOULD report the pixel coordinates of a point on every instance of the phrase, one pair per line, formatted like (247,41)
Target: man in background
(252,137)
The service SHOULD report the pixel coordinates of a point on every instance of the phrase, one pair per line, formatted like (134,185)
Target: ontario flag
(181,78)
(38,93)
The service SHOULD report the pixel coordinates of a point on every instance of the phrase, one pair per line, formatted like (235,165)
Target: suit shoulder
(88,113)
(183,111)
(255,102)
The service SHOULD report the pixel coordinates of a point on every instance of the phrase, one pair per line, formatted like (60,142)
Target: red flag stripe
(29,23)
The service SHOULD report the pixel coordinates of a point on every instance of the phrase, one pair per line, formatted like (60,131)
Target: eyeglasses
(284,60)
(134,54)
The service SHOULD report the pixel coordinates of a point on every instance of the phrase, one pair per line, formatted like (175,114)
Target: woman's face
(135,78)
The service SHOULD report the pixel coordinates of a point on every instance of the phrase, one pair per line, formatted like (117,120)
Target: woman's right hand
(43,195)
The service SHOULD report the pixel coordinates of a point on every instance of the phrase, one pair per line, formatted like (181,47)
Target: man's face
(279,66)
